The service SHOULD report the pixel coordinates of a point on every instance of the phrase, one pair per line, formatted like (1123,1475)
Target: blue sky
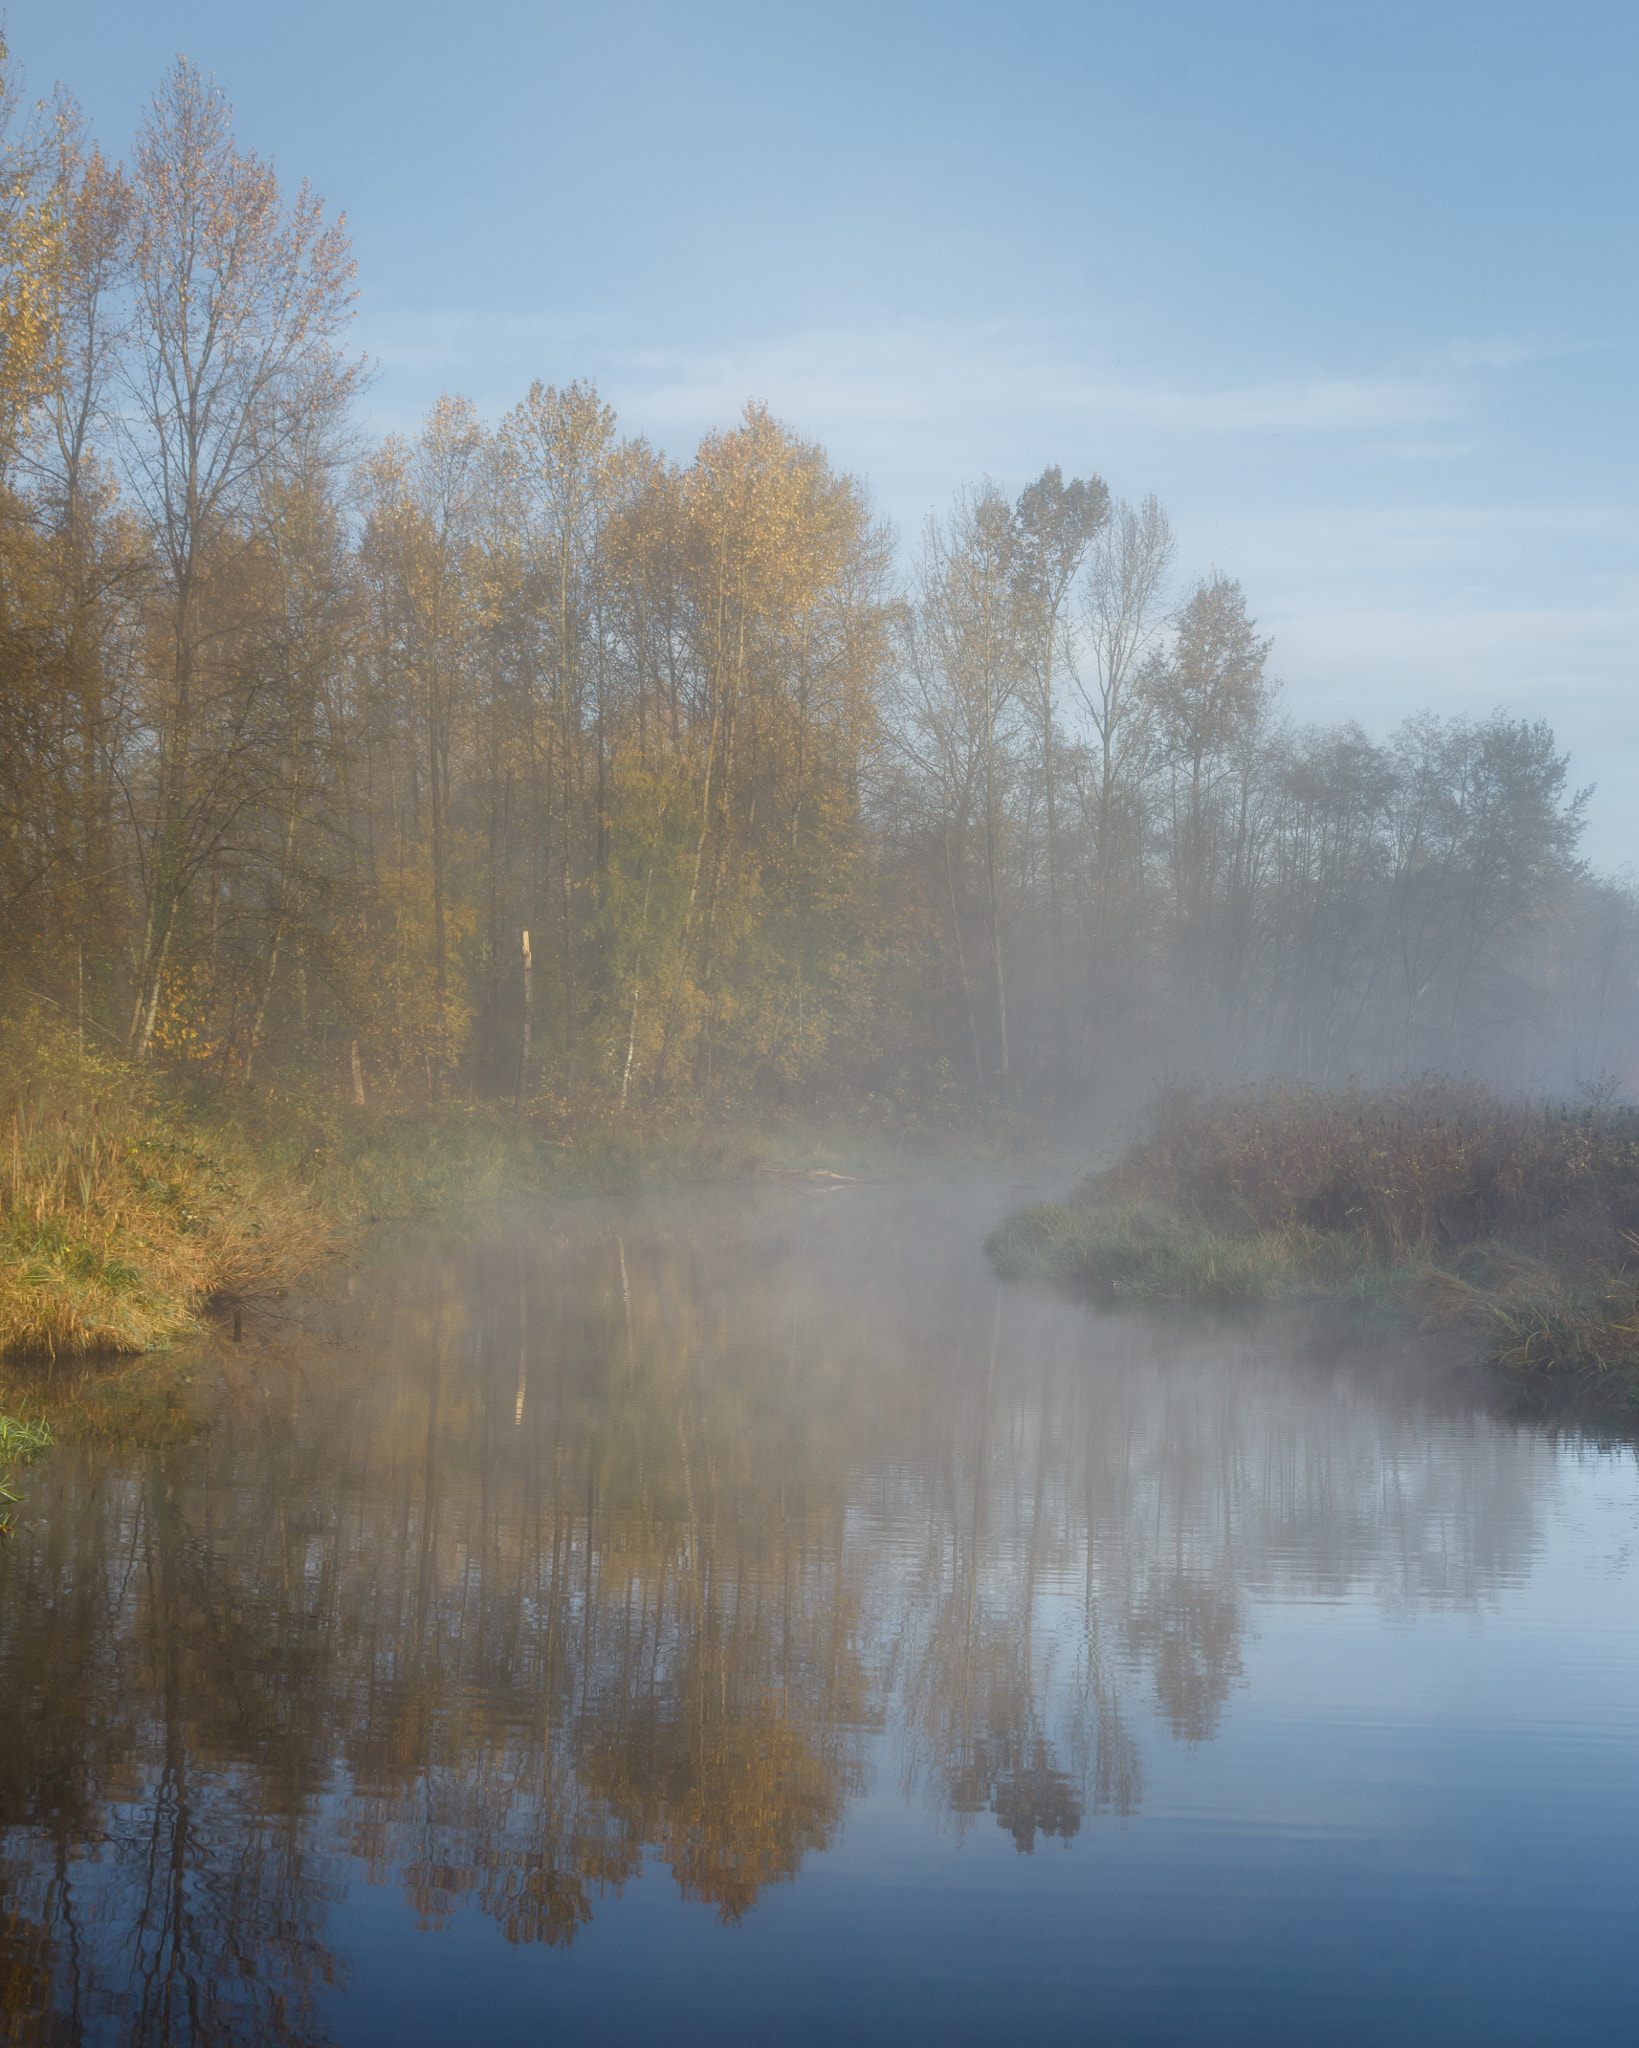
(1353,290)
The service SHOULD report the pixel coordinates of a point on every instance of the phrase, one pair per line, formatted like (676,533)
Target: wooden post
(523,1043)
(358,1077)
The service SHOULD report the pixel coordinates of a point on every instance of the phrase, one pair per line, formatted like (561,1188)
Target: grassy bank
(1518,1221)
(127,1209)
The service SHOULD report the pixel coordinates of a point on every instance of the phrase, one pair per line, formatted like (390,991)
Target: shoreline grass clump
(1517,1221)
(20,1443)
(1141,1250)
(120,1217)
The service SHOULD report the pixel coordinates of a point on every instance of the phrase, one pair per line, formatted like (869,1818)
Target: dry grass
(118,1222)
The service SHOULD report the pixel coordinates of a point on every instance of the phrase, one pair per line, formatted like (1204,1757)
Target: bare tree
(1057,523)
(1124,613)
(975,653)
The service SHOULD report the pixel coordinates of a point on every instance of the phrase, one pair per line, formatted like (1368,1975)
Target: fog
(894,1604)
(553,1558)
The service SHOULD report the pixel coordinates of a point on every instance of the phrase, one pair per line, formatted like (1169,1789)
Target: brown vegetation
(1434,1163)
(1518,1220)
(120,1218)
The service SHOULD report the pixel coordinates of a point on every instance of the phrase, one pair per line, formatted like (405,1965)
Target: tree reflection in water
(556,1552)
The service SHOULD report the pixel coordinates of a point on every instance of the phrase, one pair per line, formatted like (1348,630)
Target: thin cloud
(1509,352)
(926,372)
(1434,538)
(900,374)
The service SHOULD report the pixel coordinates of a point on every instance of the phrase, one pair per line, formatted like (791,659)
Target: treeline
(299,736)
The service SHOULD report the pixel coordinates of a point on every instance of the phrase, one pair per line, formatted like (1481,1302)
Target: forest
(519,761)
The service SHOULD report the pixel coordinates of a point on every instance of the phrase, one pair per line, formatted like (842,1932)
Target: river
(734,1617)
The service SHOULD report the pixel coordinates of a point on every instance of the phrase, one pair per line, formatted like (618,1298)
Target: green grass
(1139,1251)
(1513,1221)
(20,1441)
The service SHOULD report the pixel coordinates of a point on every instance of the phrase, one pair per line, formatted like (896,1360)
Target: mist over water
(966,700)
(737,1615)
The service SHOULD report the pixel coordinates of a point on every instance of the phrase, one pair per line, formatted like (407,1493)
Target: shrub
(1431,1163)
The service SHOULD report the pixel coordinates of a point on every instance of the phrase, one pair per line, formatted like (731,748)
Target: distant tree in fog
(1058,522)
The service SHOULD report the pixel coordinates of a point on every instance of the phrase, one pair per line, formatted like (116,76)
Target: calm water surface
(735,1619)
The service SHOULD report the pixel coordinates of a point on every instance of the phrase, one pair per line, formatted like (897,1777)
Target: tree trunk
(961,962)
(523,1041)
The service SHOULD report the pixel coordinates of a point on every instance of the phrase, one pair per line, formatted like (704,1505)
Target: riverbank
(128,1210)
(1518,1222)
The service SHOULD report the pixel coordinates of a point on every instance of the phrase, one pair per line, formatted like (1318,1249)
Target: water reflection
(555,1552)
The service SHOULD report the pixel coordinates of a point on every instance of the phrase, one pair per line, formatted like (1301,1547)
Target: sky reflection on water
(734,1617)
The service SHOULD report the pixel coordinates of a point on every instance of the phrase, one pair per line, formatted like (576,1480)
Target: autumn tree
(298,734)
(1210,697)
(239,299)
(29,231)
(561,444)
(98,558)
